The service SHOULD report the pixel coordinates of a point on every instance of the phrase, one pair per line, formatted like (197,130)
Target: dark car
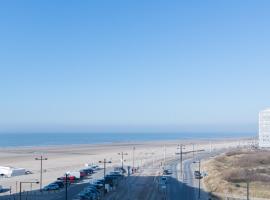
(116,173)
(51,186)
(60,183)
(98,185)
(83,174)
(167,172)
(100,181)
(87,171)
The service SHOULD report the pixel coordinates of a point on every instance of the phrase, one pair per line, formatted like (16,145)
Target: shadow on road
(150,188)
(130,188)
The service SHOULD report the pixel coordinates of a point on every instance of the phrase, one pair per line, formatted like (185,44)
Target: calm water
(39,139)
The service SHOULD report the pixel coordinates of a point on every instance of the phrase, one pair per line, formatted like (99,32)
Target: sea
(48,139)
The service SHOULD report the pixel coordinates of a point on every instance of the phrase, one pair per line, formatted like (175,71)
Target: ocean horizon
(49,139)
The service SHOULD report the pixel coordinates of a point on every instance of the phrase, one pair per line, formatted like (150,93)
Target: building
(11,171)
(264,129)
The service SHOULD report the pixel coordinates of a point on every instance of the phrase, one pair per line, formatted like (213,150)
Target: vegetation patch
(229,173)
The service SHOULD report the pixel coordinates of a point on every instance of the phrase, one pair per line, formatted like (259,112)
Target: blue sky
(133,66)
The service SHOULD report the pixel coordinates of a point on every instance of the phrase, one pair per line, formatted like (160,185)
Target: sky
(133,66)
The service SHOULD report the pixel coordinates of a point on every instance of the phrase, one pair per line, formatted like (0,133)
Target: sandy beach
(74,157)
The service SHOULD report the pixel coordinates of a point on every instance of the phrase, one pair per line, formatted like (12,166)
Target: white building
(264,129)
(11,171)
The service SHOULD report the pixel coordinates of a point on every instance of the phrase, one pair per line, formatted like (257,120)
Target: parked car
(88,171)
(116,173)
(59,183)
(91,190)
(112,180)
(83,174)
(84,196)
(95,167)
(167,172)
(75,174)
(100,181)
(70,179)
(98,185)
(51,186)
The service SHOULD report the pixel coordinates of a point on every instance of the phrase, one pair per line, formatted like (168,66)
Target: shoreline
(131,142)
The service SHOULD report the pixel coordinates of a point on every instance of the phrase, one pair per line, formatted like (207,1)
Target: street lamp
(133,154)
(26,182)
(66,181)
(41,169)
(122,159)
(181,147)
(105,162)
(247,190)
(200,176)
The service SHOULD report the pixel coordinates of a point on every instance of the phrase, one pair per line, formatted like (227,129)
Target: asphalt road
(184,186)
(145,186)
(141,186)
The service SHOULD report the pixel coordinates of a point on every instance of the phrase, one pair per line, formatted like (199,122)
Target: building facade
(264,129)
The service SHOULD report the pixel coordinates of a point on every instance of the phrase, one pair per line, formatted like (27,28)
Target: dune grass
(229,173)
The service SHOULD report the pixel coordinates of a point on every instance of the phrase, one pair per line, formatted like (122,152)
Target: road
(185,186)
(145,185)
(141,186)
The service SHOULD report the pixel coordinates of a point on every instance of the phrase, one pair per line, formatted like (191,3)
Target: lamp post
(122,159)
(25,182)
(41,169)
(181,147)
(247,190)
(199,162)
(66,185)
(104,171)
(133,153)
